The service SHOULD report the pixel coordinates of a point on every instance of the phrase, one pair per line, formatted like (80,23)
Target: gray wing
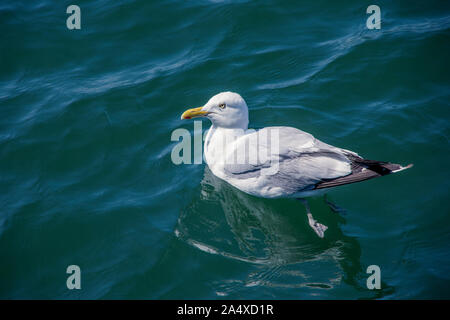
(302,162)
(295,161)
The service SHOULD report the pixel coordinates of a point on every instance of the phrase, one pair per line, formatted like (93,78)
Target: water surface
(86,173)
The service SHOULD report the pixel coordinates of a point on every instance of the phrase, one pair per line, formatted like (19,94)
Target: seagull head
(225,110)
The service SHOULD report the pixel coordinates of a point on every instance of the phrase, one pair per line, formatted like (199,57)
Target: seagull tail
(381,167)
(403,168)
(363,169)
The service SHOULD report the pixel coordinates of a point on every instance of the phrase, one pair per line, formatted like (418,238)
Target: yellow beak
(193,113)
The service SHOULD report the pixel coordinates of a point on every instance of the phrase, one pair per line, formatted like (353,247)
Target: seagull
(277,162)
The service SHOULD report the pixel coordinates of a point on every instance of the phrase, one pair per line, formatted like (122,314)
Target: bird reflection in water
(273,236)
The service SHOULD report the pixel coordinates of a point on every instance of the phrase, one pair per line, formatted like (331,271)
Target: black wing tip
(373,170)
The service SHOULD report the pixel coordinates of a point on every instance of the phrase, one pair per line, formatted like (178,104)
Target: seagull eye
(222,106)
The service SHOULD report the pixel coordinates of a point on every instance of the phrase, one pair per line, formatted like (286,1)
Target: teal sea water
(86,176)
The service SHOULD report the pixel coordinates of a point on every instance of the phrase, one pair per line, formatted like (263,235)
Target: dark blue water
(85,149)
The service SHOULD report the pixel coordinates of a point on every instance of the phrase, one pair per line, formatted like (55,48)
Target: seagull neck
(221,136)
(230,133)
